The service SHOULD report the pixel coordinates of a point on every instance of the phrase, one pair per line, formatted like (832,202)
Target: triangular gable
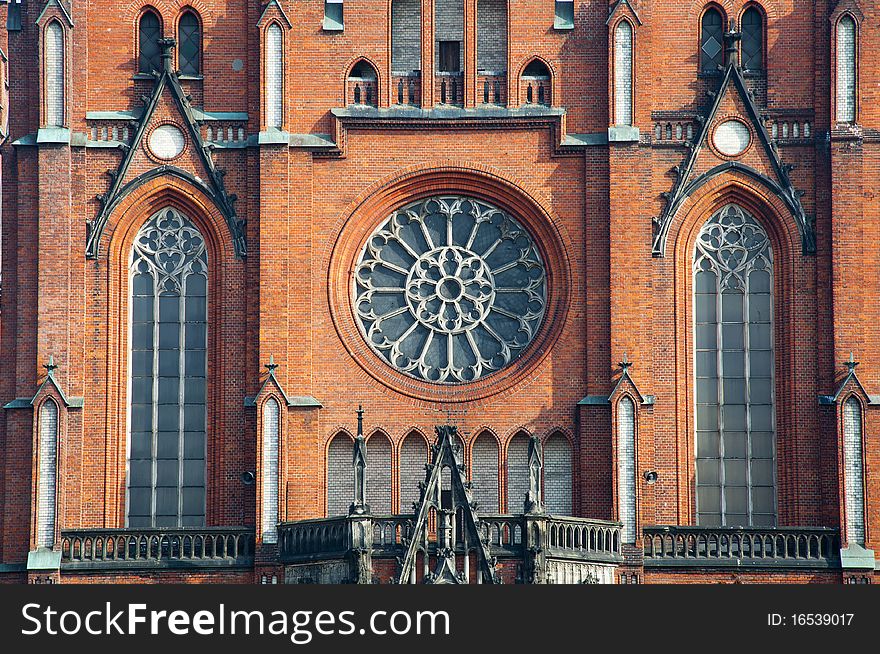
(623,7)
(625,384)
(168,102)
(54,9)
(272,385)
(447,455)
(761,161)
(273,10)
(850,384)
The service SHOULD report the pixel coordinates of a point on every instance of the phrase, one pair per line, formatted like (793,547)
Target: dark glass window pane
(149,33)
(189,43)
(333,14)
(712,41)
(450,58)
(13,16)
(564,10)
(164,459)
(752,40)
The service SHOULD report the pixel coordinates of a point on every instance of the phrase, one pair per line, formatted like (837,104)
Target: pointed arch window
(149,33)
(413,457)
(517,473)
(379,474)
(557,475)
(752,28)
(168,374)
(711,40)
(854,486)
(340,475)
(189,44)
(269,472)
(53,71)
(626,476)
(47,474)
(623,73)
(274,72)
(846,69)
(734,366)
(484,466)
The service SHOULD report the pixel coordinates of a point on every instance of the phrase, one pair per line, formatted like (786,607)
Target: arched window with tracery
(734,371)
(168,373)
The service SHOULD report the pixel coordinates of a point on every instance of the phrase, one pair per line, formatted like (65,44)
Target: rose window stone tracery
(449,289)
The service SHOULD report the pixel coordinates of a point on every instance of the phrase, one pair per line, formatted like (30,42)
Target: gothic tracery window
(449,289)
(168,374)
(734,366)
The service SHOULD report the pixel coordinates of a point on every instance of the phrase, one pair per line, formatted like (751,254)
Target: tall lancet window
(168,374)
(47,474)
(853,472)
(846,70)
(340,475)
(623,74)
(273,69)
(734,366)
(149,33)
(711,40)
(53,71)
(752,28)
(269,472)
(626,465)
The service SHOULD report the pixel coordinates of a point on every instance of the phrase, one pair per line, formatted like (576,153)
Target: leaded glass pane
(853,471)
(846,70)
(189,44)
(449,289)
(752,40)
(54,74)
(735,437)
(712,40)
(623,77)
(48,473)
(149,33)
(166,461)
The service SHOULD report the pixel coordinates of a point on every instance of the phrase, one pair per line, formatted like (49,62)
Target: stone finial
(731,37)
(166,45)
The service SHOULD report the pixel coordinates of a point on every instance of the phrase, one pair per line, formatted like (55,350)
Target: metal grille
(54,74)
(734,365)
(557,475)
(149,33)
(623,77)
(269,472)
(379,474)
(846,70)
(189,44)
(484,464)
(752,39)
(626,476)
(274,71)
(46,482)
(854,471)
(168,374)
(712,40)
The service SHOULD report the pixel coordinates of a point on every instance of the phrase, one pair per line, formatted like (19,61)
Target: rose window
(449,289)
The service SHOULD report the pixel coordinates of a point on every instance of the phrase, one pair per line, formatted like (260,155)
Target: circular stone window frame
(375,209)
(753,135)
(149,135)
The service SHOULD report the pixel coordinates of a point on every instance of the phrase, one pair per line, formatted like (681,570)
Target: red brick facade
(593,198)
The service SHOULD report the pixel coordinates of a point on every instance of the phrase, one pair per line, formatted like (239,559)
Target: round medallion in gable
(166,142)
(732,138)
